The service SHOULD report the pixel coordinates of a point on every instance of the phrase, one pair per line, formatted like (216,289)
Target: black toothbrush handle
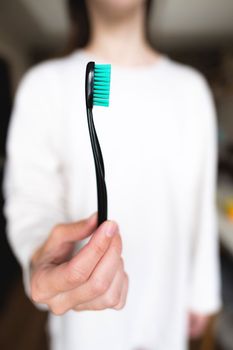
(99,168)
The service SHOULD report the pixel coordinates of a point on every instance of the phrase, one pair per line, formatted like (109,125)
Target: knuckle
(100,286)
(57,309)
(122,302)
(76,275)
(58,230)
(36,294)
(99,249)
(113,299)
(119,306)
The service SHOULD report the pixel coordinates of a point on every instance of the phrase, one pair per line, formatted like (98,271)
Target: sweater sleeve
(32,186)
(205,276)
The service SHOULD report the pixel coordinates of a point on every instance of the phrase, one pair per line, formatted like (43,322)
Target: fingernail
(110,228)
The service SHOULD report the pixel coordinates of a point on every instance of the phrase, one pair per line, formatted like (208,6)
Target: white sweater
(158,139)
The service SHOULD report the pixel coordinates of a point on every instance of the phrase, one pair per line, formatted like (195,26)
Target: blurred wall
(16,57)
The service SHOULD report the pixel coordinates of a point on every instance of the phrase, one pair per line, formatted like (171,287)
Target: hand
(197,325)
(93,279)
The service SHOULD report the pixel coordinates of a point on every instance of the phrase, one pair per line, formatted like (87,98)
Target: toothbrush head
(98,77)
(102,77)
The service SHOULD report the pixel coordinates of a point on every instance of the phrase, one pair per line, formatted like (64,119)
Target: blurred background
(196,32)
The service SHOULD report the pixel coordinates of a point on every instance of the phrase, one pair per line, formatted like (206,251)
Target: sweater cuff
(202,302)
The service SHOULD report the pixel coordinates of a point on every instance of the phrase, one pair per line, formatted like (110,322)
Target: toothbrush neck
(119,39)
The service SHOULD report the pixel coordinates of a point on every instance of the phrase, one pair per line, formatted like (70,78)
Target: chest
(148,148)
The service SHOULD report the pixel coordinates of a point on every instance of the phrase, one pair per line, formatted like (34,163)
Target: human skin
(197,324)
(92,279)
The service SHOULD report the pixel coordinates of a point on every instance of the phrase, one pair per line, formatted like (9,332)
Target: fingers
(114,297)
(103,274)
(72,232)
(124,294)
(62,238)
(51,279)
(99,281)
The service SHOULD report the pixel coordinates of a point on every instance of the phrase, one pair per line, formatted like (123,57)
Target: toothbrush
(97,88)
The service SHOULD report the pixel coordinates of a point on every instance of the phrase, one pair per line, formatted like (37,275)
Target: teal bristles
(102,77)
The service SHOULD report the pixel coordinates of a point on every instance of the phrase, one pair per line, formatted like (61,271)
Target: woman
(148,278)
